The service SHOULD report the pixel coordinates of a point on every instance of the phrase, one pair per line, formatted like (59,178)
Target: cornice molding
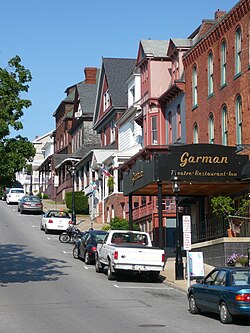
(213,35)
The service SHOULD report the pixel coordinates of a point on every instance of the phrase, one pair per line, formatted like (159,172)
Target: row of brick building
(177,92)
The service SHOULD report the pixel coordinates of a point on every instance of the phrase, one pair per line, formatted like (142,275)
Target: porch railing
(215,228)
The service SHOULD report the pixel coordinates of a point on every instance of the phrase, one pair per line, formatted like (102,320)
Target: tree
(14,152)
(225,206)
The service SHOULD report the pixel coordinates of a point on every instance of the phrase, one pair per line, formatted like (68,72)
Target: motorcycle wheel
(64,238)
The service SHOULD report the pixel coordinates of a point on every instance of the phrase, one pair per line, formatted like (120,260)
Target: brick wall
(227,95)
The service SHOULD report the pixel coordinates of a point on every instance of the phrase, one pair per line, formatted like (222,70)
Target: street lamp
(73,174)
(178,258)
(30,173)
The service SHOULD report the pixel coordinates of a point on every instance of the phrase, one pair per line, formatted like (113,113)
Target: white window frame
(211,128)
(112,131)
(154,130)
(106,100)
(238,48)
(194,86)
(210,74)
(238,120)
(224,126)
(223,63)
(195,133)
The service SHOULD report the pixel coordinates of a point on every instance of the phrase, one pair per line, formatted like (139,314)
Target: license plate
(139,268)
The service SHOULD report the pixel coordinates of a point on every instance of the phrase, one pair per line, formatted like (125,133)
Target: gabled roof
(68,99)
(39,138)
(154,48)
(84,150)
(116,71)
(87,95)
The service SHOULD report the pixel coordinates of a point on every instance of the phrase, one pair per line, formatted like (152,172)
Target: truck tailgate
(140,256)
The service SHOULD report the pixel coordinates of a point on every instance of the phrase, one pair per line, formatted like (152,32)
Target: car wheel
(86,258)
(46,230)
(111,275)
(225,316)
(193,308)
(76,252)
(98,265)
(18,208)
(21,211)
(41,226)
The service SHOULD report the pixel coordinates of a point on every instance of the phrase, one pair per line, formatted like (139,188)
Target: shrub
(106,227)
(44,196)
(81,202)
(237,258)
(121,224)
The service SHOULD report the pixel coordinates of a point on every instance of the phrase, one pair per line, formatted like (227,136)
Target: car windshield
(33,199)
(240,277)
(98,236)
(128,238)
(17,191)
(58,214)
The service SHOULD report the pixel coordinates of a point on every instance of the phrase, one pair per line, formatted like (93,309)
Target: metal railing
(216,228)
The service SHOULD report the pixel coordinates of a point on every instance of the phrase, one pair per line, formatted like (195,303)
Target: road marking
(65,252)
(85,267)
(159,288)
(48,238)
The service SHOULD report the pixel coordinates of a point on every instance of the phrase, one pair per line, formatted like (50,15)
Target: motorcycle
(70,235)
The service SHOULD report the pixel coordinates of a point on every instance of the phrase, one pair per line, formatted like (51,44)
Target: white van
(14,195)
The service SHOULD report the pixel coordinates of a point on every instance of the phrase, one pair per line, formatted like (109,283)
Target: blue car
(225,291)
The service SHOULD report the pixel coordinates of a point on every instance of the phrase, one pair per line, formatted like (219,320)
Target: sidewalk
(168,274)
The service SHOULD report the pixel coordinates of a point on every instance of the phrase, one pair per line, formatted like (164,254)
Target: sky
(57,39)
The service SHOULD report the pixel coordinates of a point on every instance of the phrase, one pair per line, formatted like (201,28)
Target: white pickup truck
(130,251)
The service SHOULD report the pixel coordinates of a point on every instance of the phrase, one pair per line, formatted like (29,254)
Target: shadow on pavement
(19,266)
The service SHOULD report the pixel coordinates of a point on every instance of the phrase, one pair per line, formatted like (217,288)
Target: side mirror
(200,280)
(100,241)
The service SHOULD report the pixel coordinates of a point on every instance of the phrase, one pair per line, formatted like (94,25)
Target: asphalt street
(44,289)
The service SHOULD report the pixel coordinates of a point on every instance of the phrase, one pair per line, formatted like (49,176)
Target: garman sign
(196,162)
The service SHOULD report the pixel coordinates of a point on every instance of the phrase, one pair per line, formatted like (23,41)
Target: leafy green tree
(225,206)
(14,152)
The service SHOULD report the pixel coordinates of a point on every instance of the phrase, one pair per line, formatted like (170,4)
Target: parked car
(14,195)
(225,291)
(131,252)
(55,220)
(5,192)
(85,247)
(30,203)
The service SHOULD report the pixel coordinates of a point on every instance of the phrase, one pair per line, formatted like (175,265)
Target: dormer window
(79,111)
(106,100)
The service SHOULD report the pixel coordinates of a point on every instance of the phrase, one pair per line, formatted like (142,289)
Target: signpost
(186,223)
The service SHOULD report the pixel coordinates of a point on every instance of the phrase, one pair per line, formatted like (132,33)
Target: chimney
(219,14)
(90,75)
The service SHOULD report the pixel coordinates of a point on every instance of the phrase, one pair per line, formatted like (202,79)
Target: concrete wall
(217,251)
